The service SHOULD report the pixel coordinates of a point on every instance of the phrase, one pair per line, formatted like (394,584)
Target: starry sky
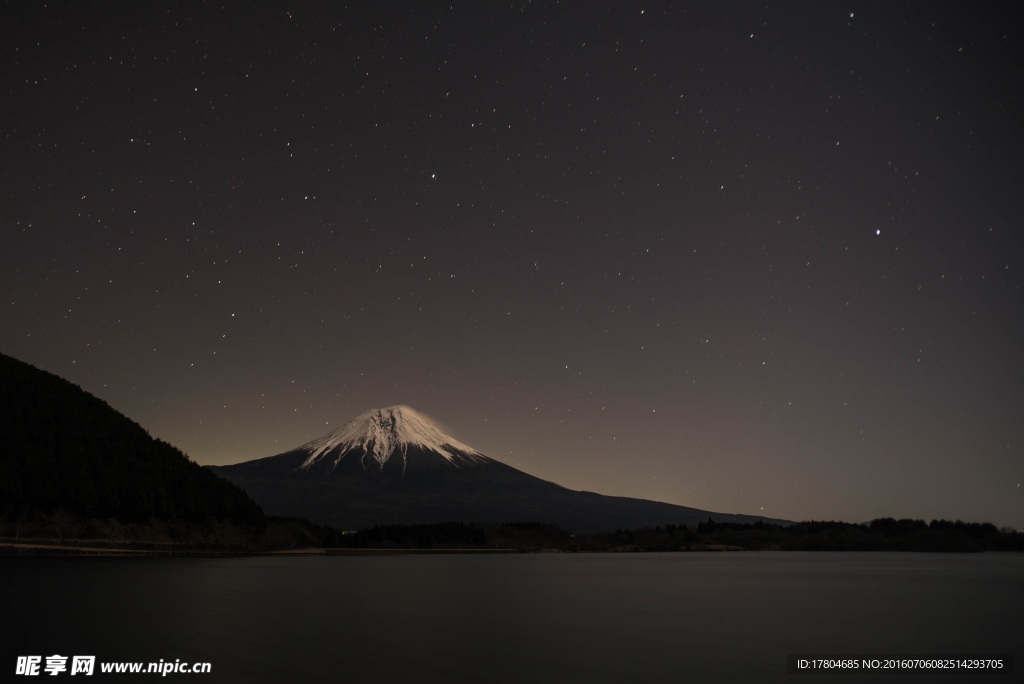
(756,257)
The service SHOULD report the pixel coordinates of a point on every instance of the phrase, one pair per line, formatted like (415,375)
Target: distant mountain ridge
(64,450)
(392,465)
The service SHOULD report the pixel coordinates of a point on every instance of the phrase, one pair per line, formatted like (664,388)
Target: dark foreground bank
(293,536)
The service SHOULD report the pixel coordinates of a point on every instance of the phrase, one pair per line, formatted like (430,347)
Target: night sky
(749,257)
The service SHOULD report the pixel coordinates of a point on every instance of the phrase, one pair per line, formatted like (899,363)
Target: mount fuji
(392,465)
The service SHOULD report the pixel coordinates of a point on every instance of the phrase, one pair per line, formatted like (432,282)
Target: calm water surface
(523,618)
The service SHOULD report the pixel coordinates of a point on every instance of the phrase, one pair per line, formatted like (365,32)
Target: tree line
(64,450)
(883,534)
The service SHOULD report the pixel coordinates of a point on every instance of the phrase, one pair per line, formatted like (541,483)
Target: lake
(693,617)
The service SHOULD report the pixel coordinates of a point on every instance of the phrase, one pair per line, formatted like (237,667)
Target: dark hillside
(62,449)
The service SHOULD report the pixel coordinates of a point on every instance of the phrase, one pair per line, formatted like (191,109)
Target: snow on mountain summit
(380,433)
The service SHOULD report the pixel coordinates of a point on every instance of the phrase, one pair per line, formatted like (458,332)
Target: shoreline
(36,549)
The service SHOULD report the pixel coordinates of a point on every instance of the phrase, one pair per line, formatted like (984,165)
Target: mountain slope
(392,466)
(62,449)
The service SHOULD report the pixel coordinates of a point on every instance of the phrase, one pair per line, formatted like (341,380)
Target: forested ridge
(64,450)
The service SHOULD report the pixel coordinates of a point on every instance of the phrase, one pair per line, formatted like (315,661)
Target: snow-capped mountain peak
(383,432)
